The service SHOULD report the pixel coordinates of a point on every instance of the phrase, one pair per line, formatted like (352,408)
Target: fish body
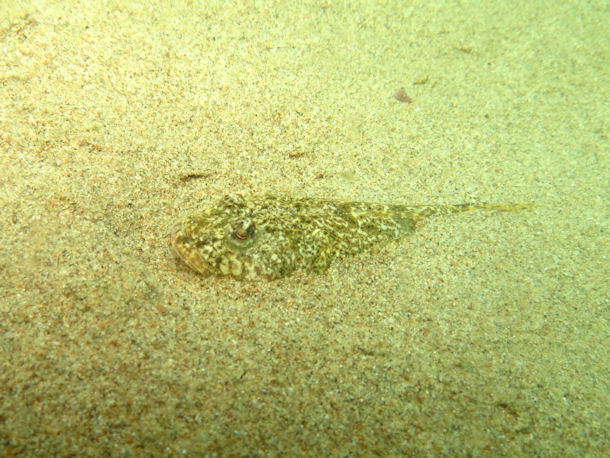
(270,237)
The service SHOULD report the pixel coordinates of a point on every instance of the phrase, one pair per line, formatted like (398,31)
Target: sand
(482,334)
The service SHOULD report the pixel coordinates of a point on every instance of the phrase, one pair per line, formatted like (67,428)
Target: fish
(268,237)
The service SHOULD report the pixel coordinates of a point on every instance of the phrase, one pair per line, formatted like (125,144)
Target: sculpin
(269,237)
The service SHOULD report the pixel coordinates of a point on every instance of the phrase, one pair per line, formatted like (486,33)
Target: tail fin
(423,211)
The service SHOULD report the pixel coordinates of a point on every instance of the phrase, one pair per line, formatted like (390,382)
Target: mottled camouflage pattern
(269,237)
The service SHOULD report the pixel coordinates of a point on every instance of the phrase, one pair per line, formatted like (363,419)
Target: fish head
(228,240)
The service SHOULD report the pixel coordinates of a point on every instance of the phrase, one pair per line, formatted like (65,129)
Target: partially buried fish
(269,237)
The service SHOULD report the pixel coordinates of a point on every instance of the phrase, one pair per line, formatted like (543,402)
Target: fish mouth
(183,248)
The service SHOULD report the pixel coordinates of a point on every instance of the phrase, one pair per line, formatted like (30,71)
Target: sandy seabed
(482,334)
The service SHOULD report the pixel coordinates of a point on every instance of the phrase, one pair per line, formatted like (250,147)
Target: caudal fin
(423,211)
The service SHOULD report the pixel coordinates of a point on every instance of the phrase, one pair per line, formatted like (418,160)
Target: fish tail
(424,211)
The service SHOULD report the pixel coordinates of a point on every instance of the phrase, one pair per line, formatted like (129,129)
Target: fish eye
(241,234)
(243,230)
